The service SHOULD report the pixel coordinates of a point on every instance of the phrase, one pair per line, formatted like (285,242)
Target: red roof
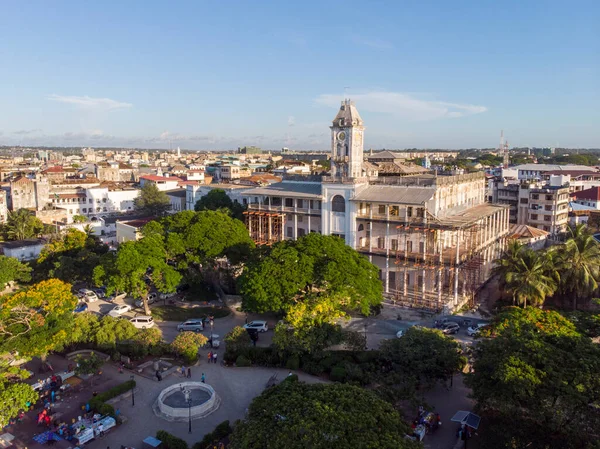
(589,194)
(55,169)
(160,178)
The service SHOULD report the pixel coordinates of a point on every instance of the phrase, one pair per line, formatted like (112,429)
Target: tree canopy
(278,277)
(21,224)
(537,382)
(14,394)
(217,199)
(152,201)
(296,415)
(37,320)
(11,269)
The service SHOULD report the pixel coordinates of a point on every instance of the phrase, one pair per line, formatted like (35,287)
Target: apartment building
(433,237)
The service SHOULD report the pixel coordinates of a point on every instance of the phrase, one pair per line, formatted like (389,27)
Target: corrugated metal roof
(288,189)
(396,194)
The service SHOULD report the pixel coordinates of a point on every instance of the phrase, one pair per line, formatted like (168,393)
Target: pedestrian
(214,357)
(52,394)
(203,378)
(210,356)
(121,365)
(189,376)
(100,430)
(158,376)
(182,371)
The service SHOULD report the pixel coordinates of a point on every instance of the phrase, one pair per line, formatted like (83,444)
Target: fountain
(185,400)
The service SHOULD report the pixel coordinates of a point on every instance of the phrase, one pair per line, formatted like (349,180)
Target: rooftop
(526,232)
(22,243)
(156,178)
(552,167)
(395,194)
(289,189)
(592,194)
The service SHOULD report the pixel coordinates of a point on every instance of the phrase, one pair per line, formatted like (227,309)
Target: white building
(535,171)
(233,191)
(23,249)
(162,182)
(433,237)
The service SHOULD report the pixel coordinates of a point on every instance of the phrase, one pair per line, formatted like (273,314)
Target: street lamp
(212,322)
(132,392)
(188,398)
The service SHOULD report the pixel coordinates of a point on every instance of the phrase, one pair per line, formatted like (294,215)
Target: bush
(170,441)
(237,339)
(222,431)
(338,373)
(311,366)
(186,345)
(293,362)
(291,378)
(242,361)
(116,391)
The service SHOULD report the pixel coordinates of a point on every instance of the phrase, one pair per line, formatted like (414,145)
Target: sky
(222,74)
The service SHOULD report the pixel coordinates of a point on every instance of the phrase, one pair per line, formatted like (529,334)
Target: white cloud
(404,105)
(25,132)
(291,120)
(90,102)
(378,44)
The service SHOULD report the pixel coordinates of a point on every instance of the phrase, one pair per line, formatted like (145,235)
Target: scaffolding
(265,228)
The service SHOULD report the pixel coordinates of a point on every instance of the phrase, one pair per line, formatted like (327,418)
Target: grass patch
(174,313)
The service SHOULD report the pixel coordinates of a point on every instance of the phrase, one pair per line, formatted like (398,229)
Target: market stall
(87,429)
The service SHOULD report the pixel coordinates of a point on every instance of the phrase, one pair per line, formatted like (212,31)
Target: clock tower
(347,142)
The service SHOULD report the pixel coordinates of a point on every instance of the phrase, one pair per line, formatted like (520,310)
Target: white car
(119,310)
(260,326)
(474,330)
(142,322)
(87,295)
(400,334)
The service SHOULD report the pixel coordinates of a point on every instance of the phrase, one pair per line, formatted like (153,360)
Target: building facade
(433,237)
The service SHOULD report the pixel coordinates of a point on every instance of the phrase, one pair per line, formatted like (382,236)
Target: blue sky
(219,74)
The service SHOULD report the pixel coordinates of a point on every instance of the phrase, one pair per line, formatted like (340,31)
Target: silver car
(191,325)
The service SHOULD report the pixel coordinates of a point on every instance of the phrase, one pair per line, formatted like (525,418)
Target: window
(300,203)
(84,209)
(409,246)
(289,202)
(290,232)
(301,232)
(300,218)
(549,198)
(394,211)
(533,216)
(535,196)
(381,209)
(524,200)
(420,212)
(381,243)
(276,201)
(244,201)
(547,228)
(409,212)
(548,207)
(394,244)
(361,227)
(547,218)
(338,204)
(421,247)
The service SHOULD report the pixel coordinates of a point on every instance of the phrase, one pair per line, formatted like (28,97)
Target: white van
(87,295)
(142,322)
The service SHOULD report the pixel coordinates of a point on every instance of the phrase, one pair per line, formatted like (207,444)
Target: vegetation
(296,415)
(321,270)
(170,441)
(89,365)
(22,224)
(14,395)
(186,345)
(98,402)
(38,319)
(79,219)
(537,382)
(211,439)
(217,199)
(237,339)
(151,201)
(11,269)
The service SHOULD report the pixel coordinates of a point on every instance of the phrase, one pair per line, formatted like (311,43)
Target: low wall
(87,352)
(182,413)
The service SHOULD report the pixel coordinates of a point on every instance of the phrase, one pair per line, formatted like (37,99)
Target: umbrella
(470,419)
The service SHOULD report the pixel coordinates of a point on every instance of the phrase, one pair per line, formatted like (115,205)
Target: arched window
(338,204)
(361,227)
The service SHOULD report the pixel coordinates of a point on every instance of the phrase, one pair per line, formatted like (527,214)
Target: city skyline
(223,76)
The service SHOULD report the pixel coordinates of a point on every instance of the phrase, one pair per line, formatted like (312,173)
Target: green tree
(22,224)
(296,415)
(89,365)
(579,264)
(37,320)
(417,361)
(11,269)
(152,201)
(186,345)
(79,219)
(217,199)
(14,394)
(237,339)
(537,382)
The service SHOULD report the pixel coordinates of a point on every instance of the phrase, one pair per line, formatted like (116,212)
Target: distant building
(250,150)
(28,193)
(162,182)
(3,206)
(131,230)
(233,191)
(177,198)
(589,197)
(23,249)
(114,171)
(529,172)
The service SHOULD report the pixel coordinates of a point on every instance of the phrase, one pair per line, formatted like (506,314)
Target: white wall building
(23,249)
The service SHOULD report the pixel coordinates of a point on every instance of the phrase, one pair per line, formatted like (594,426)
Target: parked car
(118,310)
(100,292)
(183,288)
(194,325)
(142,322)
(450,328)
(400,334)
(152,297)
(87,295)
(81,307)
(260,326)
(474,330)
(166,295)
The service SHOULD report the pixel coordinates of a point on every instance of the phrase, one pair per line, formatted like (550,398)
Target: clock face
(341,136)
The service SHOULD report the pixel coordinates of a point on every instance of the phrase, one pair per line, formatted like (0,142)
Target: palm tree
(21,224)
(532,278)
(580,264)
(508,261)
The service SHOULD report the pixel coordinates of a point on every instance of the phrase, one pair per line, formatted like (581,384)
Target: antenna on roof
(346,92)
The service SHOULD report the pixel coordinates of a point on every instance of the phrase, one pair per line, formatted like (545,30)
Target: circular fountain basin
(171,403)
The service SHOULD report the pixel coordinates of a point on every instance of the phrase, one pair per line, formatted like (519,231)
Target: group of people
(212,357)
(183,372)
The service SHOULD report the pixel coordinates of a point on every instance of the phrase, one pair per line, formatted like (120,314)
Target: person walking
(182,371)
(214,357)
(210,356)
(189,376)
(203,378)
